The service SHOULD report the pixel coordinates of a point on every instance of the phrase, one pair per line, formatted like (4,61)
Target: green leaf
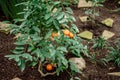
(52,52)
(56,2)
(56,24)
(19,47)
(62,49)
(27,56)
(74,28)
(19,43)
(47,16)
(33,63)
(62,21)
(77,78)
(65,62)
(50,20)
(71,18)
(17,51)
(22,65)
(69,10)
(36,29)
(36,38)
(30,47)
(48,34)
(74,68)
(37,52)
(14,57)
(61,16)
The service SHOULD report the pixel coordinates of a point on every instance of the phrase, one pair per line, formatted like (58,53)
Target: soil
(93,71)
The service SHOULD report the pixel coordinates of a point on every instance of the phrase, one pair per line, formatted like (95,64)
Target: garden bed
(10,70)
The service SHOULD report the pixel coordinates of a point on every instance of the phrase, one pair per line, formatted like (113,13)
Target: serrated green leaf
(19,43)
(14,57)
(63,20)
(56,24)
(19,47)
(69,10)
(74,68)
(60,16)
(74,28)
(48,34)
(62,49)
(36,29)
(22,66)
(65,62)
(33,63)
(47,16)
(17,51)
(27,56)
(30,47)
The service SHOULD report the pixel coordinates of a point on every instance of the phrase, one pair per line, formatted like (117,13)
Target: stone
(107,34)
(84,4)
(84,18)
(79,62)
(86,35)
(16,78)
(114,73)
(108,22)
(3,27)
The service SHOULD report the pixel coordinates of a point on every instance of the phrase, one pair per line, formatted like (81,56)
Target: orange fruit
(55,34)
(66,32)
(71,35)
(49,67)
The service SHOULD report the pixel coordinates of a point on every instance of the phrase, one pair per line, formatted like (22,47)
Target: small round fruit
(55,34)
(71,35)
(49,67)
(66,32)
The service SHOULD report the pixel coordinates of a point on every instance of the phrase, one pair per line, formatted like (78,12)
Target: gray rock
(80,62)
(108,22)
(107,34)
(84,4)
(86,35)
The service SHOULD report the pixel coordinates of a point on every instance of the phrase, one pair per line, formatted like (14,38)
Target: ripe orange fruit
(71,35)
(55,34)
(66,32)
(49,67)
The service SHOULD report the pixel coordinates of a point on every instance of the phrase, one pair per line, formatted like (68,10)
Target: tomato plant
(42,18)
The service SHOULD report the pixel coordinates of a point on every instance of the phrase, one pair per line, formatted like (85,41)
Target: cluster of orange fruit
(66,32)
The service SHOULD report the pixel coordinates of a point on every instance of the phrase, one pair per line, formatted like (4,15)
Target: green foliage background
(10,9)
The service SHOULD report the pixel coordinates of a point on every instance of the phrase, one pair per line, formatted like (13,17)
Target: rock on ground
(79,62)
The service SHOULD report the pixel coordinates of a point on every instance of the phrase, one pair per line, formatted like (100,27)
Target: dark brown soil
(9,69)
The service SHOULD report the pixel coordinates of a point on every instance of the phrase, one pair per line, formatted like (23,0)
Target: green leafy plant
(114,54)
(99,43)
(42,36)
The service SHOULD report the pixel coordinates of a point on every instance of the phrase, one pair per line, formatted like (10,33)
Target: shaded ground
(9,70)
